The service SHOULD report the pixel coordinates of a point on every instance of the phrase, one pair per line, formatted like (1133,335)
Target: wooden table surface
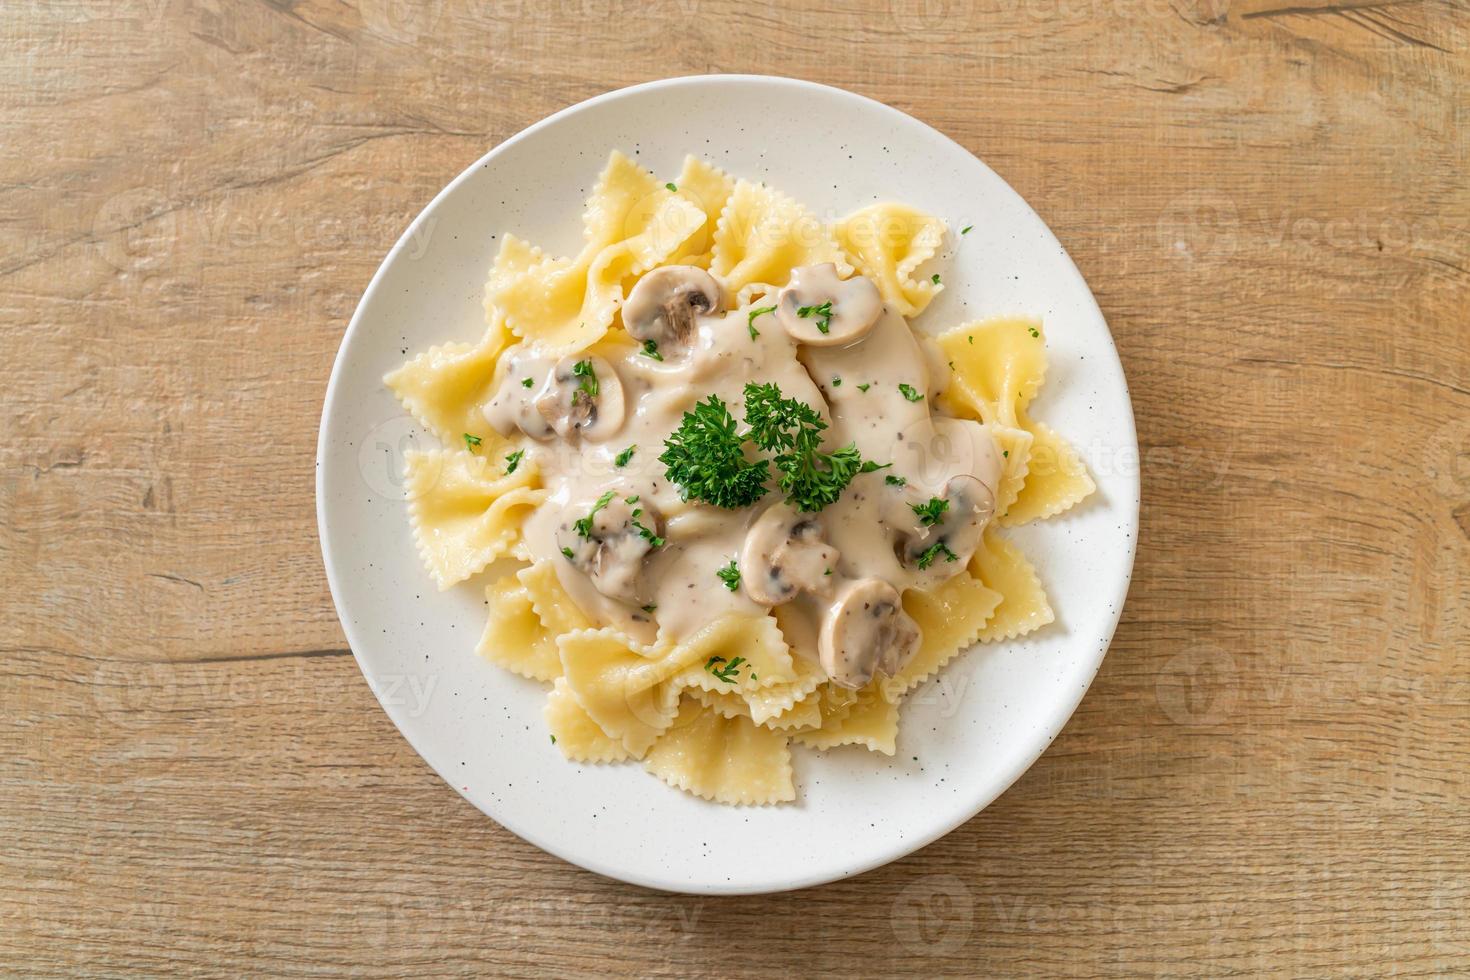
(1269,199)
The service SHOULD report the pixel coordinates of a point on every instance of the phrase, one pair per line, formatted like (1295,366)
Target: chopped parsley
(730,575)
(871,467)
(910,392)
(650,349)
(553,740)
(934,279)
(650,607)
(927,557)
(966,230)
(970,338)
(527,382)
(1006,453)
(631,500)
(836,382)
(822,313)
(864,387)
(932,512)
(895,481)
(568,552)
(705,458)
(584,524)
(654,540)
(750,319)
(588,385)
(670,186)
(513,460)
(1034,332)
(471,442)
(729,673)
(621,459)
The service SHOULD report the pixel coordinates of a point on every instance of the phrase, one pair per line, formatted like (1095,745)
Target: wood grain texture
(1270,772)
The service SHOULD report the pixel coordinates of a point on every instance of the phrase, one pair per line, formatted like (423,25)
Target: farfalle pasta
(717,492)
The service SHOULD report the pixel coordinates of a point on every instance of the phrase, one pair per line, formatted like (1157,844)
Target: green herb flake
(836,382)
(650,349)
(568,553)
(1006,453)
(527,382)
(871,467)
(1033,331)
(553,740)
(631,500)
(654,540)
(750,319)
(729,672)
(966,230)
(910,392)
(471,442)
(730,575)
(927,557)
(584,524)
(650,607)
(585,371)
(513,460)
(895,481)
(621,459)
(934,279)
(670,186)
(864,387)
(932,512)
(822,313)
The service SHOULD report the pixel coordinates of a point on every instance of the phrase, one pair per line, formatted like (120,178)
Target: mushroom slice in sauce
(822,310)
(866,632)
(951,540)
(583,396)
(614,550)
(664,304)
(785,554)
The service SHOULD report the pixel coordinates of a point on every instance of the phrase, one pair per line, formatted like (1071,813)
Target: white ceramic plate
(964,737)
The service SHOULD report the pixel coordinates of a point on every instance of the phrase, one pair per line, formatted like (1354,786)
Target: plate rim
(1052,720)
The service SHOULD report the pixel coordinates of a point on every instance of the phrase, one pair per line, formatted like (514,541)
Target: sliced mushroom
(866,631)
(612,545)
(953,532)
(662,307)
(822,310)
(584,397)
(785,554)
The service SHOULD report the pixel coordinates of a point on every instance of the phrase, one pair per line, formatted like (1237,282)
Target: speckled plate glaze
(964,737)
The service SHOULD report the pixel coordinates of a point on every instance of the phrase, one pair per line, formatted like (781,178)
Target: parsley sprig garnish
(513,460)
(792,429)
(650,349)
(621,459)
(729,673)
(910,392)
(471,442)
(823,314)
(932,512)
(730,575)
(705,457)
(584,524)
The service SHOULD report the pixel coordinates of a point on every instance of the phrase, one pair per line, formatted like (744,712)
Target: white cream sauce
(856,389)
